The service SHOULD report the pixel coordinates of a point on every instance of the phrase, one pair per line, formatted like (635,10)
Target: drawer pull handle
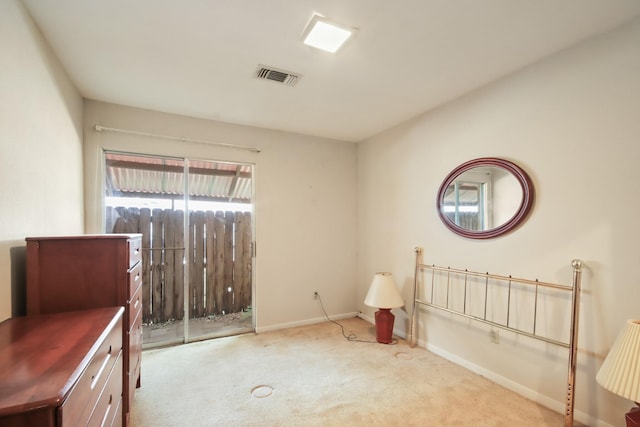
(96,377)
(106,414)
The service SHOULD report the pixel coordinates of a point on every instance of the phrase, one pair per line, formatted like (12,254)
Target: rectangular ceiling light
(326,35)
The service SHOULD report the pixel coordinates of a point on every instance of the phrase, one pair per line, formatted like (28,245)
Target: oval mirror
(485,198)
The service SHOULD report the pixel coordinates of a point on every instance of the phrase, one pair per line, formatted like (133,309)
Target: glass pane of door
(145,194)
(220,249)
(197,280)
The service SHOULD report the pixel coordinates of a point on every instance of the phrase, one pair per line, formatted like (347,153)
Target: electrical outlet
(494,336)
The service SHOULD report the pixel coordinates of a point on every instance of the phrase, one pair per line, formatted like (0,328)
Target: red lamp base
(384,325)
(633,417)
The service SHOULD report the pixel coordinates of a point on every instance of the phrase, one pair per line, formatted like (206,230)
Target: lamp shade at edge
(620,371)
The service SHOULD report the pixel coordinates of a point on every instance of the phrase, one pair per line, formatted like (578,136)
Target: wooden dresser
(62,369)
(90,271)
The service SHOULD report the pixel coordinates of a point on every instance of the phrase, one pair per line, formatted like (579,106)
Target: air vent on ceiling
(281,76)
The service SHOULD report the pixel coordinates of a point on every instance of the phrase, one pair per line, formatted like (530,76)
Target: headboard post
(412,332)
(573,340)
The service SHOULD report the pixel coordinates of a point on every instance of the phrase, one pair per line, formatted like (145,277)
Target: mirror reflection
(484,198)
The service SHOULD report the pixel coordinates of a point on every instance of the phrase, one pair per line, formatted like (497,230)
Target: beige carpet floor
(313,376)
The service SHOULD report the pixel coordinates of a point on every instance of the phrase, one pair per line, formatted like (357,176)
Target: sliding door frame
(188,245)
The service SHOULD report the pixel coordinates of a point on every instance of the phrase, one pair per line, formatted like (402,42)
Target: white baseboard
(304,322)
(533,395)
(530,394)
(367,318)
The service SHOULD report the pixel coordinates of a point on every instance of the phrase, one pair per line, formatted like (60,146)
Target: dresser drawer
(132,367)
(133,376)
(135,339)
(117,420)
(78,406)
(135,251)
(135,279)
(110,397)
(134,308)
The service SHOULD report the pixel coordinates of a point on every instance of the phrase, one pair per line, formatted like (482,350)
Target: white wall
(305,205)
(506,196)
(571,121)
(41,148)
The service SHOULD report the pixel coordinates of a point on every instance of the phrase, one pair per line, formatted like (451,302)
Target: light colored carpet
(313,376)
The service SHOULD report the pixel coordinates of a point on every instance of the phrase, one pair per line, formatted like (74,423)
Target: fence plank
(246,261)
(227,300)
(156,265)
(238,271)
(190,261)
(178,263)
(145,229)
(196,281)
(133,222)
(218,267)
(210,306)
(169,265)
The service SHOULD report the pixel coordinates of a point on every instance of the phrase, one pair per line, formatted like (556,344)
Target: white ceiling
(198,57)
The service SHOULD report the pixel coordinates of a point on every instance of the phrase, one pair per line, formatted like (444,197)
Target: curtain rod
(100,128)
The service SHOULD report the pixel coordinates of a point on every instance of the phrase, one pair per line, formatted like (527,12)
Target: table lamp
(620,372)
(384,295)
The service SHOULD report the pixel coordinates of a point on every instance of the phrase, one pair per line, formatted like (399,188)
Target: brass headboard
(442,302)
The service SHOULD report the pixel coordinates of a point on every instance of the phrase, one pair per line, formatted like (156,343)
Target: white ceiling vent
(280,76)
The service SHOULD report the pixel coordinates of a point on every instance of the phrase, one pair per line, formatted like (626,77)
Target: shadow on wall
(18,257)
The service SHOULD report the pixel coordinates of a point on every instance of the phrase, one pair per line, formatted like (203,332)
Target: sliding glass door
(195,217)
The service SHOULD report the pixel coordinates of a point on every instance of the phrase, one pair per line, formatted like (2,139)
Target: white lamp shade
(620,372)
(383,292)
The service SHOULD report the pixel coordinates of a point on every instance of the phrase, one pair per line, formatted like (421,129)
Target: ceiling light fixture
(326,35)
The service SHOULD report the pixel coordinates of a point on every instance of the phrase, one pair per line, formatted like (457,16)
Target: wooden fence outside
(219,263)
